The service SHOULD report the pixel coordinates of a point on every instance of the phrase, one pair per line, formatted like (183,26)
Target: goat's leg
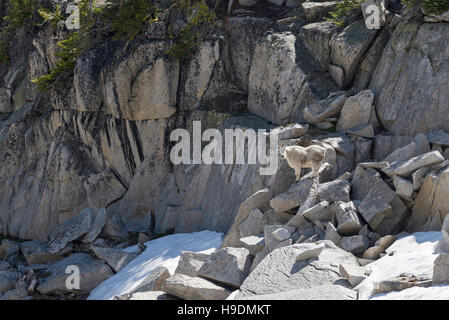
(298,172)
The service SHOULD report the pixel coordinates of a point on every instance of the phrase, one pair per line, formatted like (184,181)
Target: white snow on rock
(165,252)
(438,292)
(412,254)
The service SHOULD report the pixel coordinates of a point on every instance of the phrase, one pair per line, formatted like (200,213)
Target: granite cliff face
(103,140)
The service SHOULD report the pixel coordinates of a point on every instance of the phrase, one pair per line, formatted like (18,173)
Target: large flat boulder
(91,273)
(194,288)
(272,277)
(229,266)
(413,58)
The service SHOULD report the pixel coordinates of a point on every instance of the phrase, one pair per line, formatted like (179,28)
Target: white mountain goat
(304,157)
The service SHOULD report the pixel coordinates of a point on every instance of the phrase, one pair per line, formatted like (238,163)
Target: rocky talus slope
(85,171)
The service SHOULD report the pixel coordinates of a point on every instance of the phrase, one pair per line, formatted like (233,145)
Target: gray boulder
(253,225)
(92,272)
(9,249)
(8,280)
(115,258)
(323,109)
(445,229)
(229,266)
(190,263)
(272,277)
(348,48)
(353,274)
(441,269)
(35,252)
(348,222)
(324,292)
(253,243)
(194,288)
(154,281)
(355,244)
(309,250)
(294,197)
(356,111)
(382,209)
(332,191)
(71,230)
(439,137)
(406,168)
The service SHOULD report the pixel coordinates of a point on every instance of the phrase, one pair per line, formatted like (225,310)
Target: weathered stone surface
(315,11)
(229,266)
(4,265)
(418,177)
(271,277)
(316,38)
(406,168)
(404,187)
(291,132)
(190,263)
(8,249)
(309,250)
(92,273)
(385,242)
(400,283)
(259,199)
(320,211)
(8,280)
(382,209)
(439,137)
(115,258)
(194,288)
(71,230)
(356,110)
(441,269)
(405,112)
(363,181)
(281,234)
(100,220)
(253,243)
(355,244)
(323,109)
(274,66)
(445,229)
(270,241)
(35,252)
(418,146)
(430,206)
(365,130)
(294,197)
(253,225)
(324,292)
(342,144)
(18,293)
(348,222)
(372,253)
(348,48)
(332,234)
(154,281)
(352,273)
(334,191)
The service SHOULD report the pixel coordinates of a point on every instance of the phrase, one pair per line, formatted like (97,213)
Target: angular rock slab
(272,277)
(71,230)
(441,269)
(229,266)
(190,263)
(92,273)
(348,222)
(406,168)
(324,292)
(194,288)
(35,252)
(115,258)
(356,110)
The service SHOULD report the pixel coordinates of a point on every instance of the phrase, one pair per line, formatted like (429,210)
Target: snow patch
(412,254)
(160,252)
(440,292)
